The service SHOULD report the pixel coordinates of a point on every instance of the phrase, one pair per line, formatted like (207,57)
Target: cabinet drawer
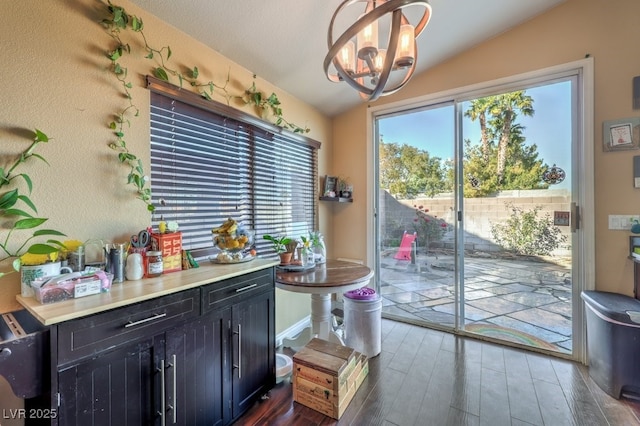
(90,335)
(217,295)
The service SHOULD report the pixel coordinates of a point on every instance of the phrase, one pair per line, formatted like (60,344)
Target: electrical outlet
(622,222)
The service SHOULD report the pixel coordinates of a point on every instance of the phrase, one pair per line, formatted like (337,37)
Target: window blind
(207,164)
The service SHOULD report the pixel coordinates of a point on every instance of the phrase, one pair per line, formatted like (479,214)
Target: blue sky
(549,128)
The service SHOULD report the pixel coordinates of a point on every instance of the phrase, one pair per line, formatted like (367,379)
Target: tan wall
(609,32)
(55,77)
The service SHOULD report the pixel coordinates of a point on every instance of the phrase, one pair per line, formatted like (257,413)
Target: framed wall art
(330,186)
(621,135)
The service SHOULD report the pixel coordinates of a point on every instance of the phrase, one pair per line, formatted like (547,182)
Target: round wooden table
(334,276)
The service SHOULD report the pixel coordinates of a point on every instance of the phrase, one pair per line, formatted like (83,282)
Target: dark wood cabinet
(200,360)
(197,357)
(248,344)
(253,350)
(116,388)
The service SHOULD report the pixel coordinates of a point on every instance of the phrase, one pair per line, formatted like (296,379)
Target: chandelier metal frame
(374,11)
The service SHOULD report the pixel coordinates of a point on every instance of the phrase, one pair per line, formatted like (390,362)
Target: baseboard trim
(294,330)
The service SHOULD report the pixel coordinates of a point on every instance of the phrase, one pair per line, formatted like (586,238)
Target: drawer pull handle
(239,290)
(239,364)
(174,408)
(142,321)
(5,353)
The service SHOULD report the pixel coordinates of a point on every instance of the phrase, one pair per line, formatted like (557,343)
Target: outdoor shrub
(392,232)
(527,233)
(429,228)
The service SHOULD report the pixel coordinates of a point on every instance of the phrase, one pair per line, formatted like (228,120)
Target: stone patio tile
(530,299)
(405,297)
(436,293)
(390,289)
(409,308)
(437,317)
(498,280)
(533,297)
(479,284)
(562,308)
(470,313)
(497,305)
(387,302)
(397,312)
(477,294)
(443,282)
(412,286)
(434,302)
(509,288)
(545,319)
(567,345)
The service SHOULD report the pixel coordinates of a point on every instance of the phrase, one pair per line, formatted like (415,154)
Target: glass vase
(320,252)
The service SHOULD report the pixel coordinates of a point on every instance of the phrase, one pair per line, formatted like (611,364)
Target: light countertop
(129,292)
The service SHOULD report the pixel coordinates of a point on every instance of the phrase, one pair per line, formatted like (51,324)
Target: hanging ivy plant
(116,24)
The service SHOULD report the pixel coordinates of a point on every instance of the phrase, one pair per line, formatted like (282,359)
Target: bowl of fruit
(233,241)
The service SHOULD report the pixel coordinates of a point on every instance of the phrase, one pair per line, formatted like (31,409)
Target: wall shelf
(337,199)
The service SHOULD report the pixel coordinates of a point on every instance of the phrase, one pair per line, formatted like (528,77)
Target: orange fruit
(253,252)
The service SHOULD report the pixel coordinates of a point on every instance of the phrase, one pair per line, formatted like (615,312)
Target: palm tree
(478,111)
(505,109)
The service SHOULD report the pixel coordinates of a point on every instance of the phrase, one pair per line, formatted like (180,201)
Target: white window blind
(210,162)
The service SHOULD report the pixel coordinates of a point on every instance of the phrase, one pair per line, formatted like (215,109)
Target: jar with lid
(154,264)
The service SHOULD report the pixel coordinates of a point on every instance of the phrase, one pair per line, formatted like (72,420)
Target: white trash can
(362,321)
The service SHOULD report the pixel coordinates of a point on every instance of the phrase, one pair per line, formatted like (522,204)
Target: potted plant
(280,246)
(345,189)
(17,220)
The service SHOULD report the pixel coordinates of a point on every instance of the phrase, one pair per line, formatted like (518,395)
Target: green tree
(406,171)
(503,160)
(503,111)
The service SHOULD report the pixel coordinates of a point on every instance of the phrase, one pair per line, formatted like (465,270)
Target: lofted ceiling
(285,41)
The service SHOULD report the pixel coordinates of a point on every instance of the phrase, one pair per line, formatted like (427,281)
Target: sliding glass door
(476,224)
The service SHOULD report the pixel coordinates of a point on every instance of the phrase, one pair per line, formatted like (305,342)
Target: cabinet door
(253,350)
(199,374)
(116,388)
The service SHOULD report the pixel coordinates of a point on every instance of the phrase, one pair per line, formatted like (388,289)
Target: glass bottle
(319,249)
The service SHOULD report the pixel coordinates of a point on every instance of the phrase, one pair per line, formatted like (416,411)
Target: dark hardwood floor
(427,377)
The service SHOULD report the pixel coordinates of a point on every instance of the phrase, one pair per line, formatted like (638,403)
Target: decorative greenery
(316,239)
(15,218)
(428,227)
(527,234)
(279,243)
(118,22)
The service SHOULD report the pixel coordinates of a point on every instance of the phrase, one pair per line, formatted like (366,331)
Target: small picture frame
(330,186)
(621,135)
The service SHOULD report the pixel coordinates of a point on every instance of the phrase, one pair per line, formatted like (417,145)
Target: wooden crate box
(326,376)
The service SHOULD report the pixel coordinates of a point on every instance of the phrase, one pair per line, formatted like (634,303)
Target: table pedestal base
(321,324)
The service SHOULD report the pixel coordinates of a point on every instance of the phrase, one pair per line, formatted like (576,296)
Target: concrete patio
(530,297)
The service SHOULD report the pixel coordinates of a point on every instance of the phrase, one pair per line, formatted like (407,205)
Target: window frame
(259,134)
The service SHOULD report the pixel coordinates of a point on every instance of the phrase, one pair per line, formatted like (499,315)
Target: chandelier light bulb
(379,60)
(367,40)
(406,46)
(348,56)
(367,63)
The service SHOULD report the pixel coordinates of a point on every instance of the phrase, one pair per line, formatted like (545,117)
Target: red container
(171,247)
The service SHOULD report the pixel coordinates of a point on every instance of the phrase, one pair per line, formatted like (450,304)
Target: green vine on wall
(118,22)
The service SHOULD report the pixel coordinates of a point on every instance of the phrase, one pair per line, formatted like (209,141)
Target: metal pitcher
(116,256)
